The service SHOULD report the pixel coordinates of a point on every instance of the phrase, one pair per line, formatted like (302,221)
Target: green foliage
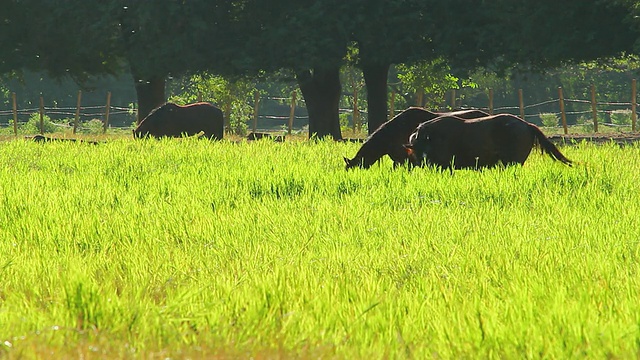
(621,117)
(183,248)
(433,78)
(587,124)
(32,126)
(467,29)
(352,81)
(93,127)
(346,120)
(60,48)
(240,116)
(549,119)
(5,94)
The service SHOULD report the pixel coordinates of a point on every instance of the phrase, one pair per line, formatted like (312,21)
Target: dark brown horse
(390,137)
(451,142)
(171,120)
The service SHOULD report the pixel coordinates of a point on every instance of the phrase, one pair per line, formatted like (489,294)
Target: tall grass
(185,248)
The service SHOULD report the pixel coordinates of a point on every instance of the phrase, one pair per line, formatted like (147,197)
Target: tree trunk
(148,84)
(321,90)
(150,94)
(375,77)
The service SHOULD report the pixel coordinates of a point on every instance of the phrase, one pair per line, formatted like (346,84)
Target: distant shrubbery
(549,119)
(32,126)
(587,124)
(93,126)
(49,126)
(621,117)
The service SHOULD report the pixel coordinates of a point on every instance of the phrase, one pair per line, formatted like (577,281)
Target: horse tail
(547,146)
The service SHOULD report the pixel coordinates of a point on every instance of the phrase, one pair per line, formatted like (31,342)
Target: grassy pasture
(186,248)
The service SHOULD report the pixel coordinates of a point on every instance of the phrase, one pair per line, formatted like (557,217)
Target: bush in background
(32,126)
(93,127)
(549,119)
(587,124)
(621,117)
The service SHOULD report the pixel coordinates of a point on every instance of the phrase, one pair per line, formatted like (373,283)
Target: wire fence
(64,117)
(531,114)
(604,114)
(280,114)
(588,113)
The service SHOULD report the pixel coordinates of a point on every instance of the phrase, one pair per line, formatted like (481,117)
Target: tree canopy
(528,35)
(310,38)
(62,37)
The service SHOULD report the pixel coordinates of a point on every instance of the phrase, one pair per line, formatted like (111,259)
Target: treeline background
(613,86)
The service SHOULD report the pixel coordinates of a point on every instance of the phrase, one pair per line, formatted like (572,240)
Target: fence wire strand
(98,112)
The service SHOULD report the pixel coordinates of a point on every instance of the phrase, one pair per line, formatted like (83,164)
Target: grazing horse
(451,142)
(171,120)
(390,137)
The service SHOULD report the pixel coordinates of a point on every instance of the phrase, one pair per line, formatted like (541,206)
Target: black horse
(171,120)
(450,142)
(390,137)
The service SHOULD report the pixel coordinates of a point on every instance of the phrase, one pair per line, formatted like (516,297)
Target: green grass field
(192,249)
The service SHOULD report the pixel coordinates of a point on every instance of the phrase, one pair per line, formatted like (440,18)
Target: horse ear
(409,149)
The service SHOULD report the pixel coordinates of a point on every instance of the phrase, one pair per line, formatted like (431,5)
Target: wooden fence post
(106,113)
(41,115)
(453,99)
(634,116)
(356,111)
(392,106)
(75,123)
(419,98)
(256,101)
(562,113)
(594,109)
(15,113)
(292,110)
(490,101)
(227,115)
(521,103)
